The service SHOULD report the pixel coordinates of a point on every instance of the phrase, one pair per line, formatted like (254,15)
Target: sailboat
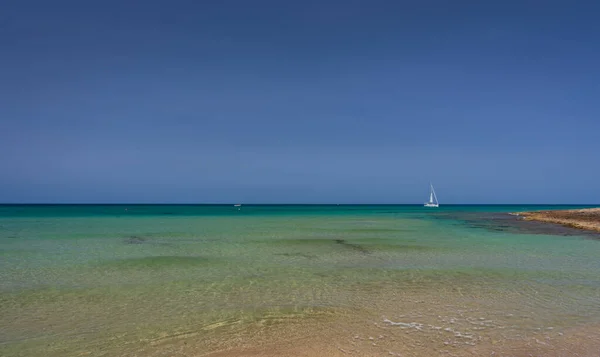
(432,197)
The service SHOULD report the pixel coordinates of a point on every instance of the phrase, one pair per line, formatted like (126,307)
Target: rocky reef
(587,218)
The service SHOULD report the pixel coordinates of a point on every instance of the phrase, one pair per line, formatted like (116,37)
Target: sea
(295,280)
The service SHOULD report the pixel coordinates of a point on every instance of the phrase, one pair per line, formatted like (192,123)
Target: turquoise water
(115,279)
(8,211)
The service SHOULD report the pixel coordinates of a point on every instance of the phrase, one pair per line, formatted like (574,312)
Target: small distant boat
(433,201)
(237,205)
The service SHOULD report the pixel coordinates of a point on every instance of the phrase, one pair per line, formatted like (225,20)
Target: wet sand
(587,219)
(576,342)
(436,320)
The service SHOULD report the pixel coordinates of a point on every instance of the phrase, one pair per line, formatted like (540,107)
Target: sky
(323,101)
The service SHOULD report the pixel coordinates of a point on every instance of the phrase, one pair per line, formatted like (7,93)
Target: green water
(106,278)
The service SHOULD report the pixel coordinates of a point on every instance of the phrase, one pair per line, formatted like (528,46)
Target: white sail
(432,196)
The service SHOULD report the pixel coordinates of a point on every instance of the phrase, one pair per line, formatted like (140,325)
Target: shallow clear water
(114,280)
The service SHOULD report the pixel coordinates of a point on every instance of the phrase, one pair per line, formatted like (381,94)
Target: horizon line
(280,204)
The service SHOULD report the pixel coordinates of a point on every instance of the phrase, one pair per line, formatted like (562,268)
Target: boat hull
(431,205)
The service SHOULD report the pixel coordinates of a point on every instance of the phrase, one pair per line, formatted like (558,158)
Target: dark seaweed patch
(303,255)
(136,240)
(146,240)
(504,222)
(355,247)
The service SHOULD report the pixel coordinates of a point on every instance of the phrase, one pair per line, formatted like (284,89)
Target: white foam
(414,325)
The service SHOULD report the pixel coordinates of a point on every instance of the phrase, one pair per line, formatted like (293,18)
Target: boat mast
(433,192)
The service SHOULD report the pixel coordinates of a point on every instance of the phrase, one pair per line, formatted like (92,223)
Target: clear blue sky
(299,101)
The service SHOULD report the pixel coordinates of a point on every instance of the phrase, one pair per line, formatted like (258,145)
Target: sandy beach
(588,218)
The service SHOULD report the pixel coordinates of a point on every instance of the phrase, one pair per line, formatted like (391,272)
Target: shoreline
(586,219)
